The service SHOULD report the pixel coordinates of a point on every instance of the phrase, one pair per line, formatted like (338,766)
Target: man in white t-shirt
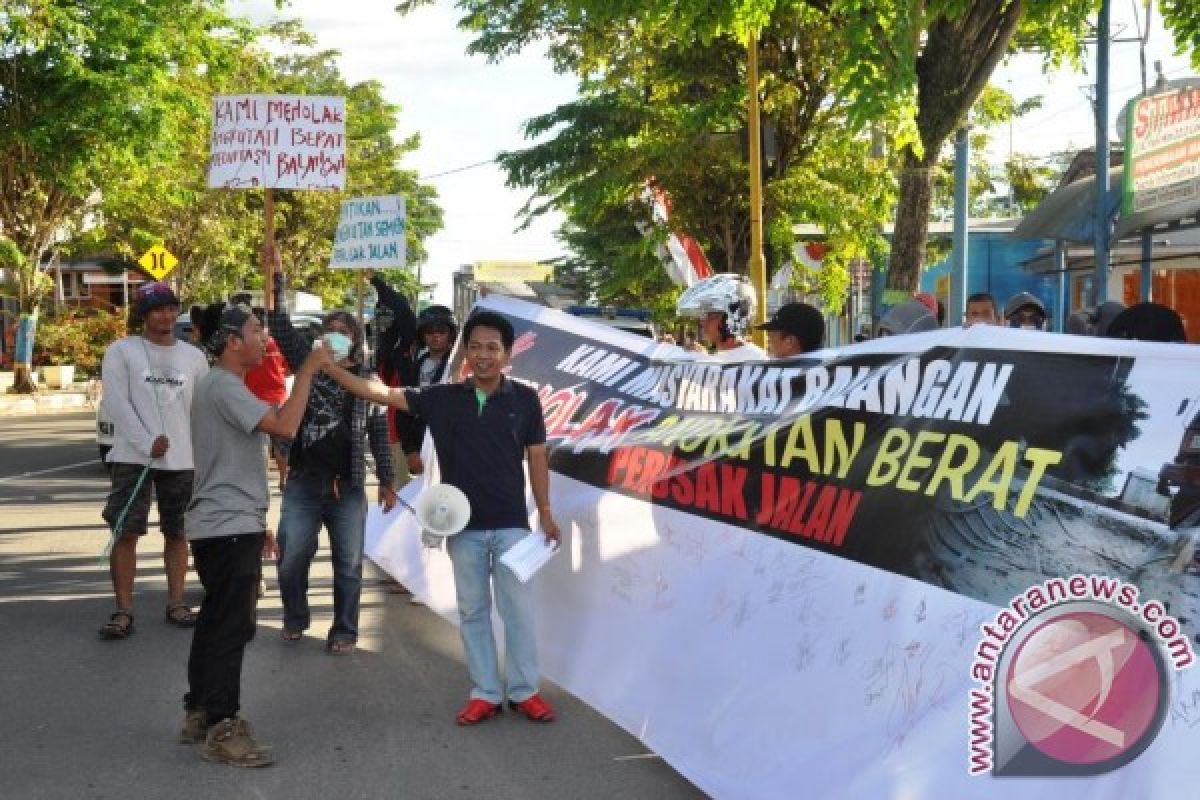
(724,304)
(149,378)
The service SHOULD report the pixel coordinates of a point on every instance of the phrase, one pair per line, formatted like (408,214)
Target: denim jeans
(228,567)
(475,555)
(308,502)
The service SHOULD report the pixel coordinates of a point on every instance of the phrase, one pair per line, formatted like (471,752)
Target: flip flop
(117,630)
(181,615)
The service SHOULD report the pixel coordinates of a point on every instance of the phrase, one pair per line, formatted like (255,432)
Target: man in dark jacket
(327,477)
(413,352)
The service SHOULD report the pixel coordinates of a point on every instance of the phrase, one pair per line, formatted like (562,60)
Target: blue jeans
(309,502)
(475,555)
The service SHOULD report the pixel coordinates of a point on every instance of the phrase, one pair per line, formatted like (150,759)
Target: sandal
(181,615)
(289,635)
(339,647)
(119,625)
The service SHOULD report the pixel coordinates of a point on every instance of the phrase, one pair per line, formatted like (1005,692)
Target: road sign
(158,261)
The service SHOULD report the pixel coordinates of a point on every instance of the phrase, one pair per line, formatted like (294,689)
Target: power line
(476,165)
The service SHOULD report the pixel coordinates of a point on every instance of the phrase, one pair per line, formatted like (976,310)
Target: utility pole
(1101,224)
(758,264)
(962,201)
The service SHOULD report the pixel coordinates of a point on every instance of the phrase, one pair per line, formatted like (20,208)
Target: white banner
(766,664)
(278,142)
(370,234)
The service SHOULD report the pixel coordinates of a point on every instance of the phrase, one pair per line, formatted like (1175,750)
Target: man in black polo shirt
(482,430)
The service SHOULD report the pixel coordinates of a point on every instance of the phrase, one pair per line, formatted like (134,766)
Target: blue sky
(467,110)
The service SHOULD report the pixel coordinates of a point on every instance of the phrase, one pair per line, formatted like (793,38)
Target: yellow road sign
(158,261)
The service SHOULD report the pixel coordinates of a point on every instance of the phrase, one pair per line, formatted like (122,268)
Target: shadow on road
(85,718)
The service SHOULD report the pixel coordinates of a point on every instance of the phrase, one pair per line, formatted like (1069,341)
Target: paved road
(83,718)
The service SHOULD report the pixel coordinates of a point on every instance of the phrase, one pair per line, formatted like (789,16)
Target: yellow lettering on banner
(916,461)
(1041,459)
(801,429)
(997,476)
(948,471)
(840,454)
(887,459)
(902,457)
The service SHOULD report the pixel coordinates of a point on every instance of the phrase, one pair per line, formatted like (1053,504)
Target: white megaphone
(442,509)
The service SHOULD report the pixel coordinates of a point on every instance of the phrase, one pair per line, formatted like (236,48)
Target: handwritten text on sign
(370,234)
(278,142)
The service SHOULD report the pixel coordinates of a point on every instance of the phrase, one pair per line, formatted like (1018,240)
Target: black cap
(234,317)
(800,320)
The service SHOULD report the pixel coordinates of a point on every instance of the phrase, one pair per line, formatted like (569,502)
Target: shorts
(172,487)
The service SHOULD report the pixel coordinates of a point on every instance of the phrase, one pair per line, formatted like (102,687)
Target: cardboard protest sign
(370,234)
(832,552)
(278,142)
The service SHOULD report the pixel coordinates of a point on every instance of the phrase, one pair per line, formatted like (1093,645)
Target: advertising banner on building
(777,574)
(1162,143)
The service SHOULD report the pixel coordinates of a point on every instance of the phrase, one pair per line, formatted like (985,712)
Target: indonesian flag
(681,256)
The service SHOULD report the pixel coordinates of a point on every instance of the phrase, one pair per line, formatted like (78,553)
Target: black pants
(229,568)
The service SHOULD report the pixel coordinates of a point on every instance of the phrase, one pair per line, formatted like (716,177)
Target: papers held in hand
(527,556)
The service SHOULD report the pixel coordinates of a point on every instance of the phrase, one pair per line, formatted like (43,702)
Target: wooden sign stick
(269,240)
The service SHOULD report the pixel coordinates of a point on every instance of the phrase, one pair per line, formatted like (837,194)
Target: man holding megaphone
(482,430)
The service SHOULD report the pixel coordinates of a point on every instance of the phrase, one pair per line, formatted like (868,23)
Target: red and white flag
(681,255)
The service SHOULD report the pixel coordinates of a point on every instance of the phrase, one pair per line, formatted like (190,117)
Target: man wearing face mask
(327,475)
(1024,310)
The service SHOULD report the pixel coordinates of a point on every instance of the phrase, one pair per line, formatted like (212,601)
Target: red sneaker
(477,711)
(535,709)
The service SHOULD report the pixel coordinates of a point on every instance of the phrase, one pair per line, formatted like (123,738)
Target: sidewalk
(46,401)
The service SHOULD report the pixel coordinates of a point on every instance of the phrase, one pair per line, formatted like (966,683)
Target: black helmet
(437,315)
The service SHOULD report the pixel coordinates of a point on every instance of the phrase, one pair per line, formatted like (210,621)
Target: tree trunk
(912,226)
(23,380)
(958,58)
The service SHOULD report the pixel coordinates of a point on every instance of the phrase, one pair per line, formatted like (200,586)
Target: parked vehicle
(631,320)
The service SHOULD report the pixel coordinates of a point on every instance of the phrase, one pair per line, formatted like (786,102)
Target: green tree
(911,68)
(217,234)
(659,103)
(84,92)
(1183,18)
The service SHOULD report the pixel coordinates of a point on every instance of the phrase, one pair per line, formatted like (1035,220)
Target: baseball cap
(154,295)
(800,320)
(234,317)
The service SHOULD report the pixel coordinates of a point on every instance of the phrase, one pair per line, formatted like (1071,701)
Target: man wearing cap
(227,526)
(795,328)
(1024,310)
(149,378)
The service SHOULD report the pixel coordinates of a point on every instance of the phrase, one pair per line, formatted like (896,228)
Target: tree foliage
(909,69)
(105,109)
(658,104)
(1183,18)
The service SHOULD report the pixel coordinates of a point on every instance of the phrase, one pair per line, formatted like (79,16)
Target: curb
(15,405)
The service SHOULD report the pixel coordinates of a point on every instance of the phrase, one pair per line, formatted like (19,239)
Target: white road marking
(24,475)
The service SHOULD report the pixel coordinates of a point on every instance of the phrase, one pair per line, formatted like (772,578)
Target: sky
(467,110)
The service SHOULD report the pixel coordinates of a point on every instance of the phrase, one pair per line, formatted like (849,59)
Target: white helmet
(727,292)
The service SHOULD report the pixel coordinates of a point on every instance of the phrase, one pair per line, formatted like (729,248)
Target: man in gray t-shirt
(226,525)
